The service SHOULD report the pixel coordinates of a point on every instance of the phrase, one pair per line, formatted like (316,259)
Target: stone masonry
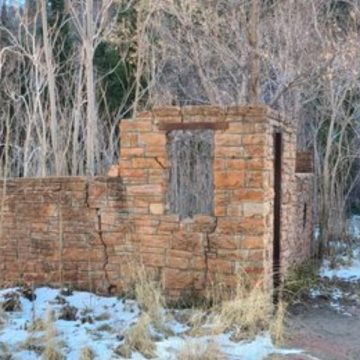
(86,232)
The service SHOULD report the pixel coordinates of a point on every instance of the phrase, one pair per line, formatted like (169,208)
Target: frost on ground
(348,270)
(347,263)
(77,323)
(340,278)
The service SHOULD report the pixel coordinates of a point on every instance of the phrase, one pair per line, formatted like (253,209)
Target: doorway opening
(278,150)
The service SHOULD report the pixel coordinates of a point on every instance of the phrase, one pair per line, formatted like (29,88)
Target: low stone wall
(61,230)
(304,247)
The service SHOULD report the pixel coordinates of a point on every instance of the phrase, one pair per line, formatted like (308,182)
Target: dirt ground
(326,325)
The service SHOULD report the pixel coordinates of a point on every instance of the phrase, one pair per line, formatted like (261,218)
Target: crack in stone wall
(109,286)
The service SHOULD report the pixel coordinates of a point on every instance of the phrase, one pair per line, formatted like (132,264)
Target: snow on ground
(348,272)
(99,324)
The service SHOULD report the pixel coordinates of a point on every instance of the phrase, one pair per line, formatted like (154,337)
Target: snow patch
(350,272)
(112,316)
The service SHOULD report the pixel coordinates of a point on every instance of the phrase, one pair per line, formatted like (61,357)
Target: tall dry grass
(87,354)
(146,289)
(138,338)
(52,349)
(195,350)
(245,312)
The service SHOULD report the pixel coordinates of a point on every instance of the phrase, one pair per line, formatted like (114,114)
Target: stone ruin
(199,194)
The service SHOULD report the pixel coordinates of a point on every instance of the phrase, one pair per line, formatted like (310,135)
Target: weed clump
(138,338)
(87,354)
(200,351)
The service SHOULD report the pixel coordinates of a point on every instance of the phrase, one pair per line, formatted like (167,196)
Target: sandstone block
(181,279)
(225,180)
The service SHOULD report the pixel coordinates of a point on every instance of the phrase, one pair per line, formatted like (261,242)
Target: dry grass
(148,294)
(200,351)
(245,312)
(87,354)
(138,338)
(277,326)
(36,325)
(3,317)
(4,352)
(51,351)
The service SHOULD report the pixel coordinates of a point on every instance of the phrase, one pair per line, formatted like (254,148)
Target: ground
(325,323)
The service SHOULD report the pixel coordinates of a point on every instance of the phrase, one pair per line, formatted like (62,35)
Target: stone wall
(305,246)
(61,231)
(90,232)
(239,235)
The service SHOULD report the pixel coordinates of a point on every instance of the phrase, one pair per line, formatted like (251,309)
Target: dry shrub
(198,322)
(4,351)
(87,354)
(51,351)
(138,338)
(36,325)
(200,351)
(3,318)
(277,324)
(245,312)
(147,291)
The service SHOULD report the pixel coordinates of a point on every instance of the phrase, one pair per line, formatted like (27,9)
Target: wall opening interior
(278,149)
(191,185)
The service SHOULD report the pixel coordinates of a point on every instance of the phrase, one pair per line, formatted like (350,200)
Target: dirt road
(326,326)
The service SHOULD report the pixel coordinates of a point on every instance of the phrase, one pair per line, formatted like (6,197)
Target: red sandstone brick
(155,260)
(113,171)
(236,164)
(147,163)
(177,263)
(194,110)
(166,226)
(166,111)
(221,266)
(256,255)
(156,151)
(258,139)
(152,139)
(220,210)
(179,254)
(150,189)
(113,238)
(181,279)
(132,152)
(187,242)
(134,173)
(124,164)
(252,242)
(258,110)
(227,139)
(223,241)
(225,180)
(229,152)
(161,241)
(254,179)
(135,126)
(129,140)
(254,150)
(257,164)
(198,263)
(248,195)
